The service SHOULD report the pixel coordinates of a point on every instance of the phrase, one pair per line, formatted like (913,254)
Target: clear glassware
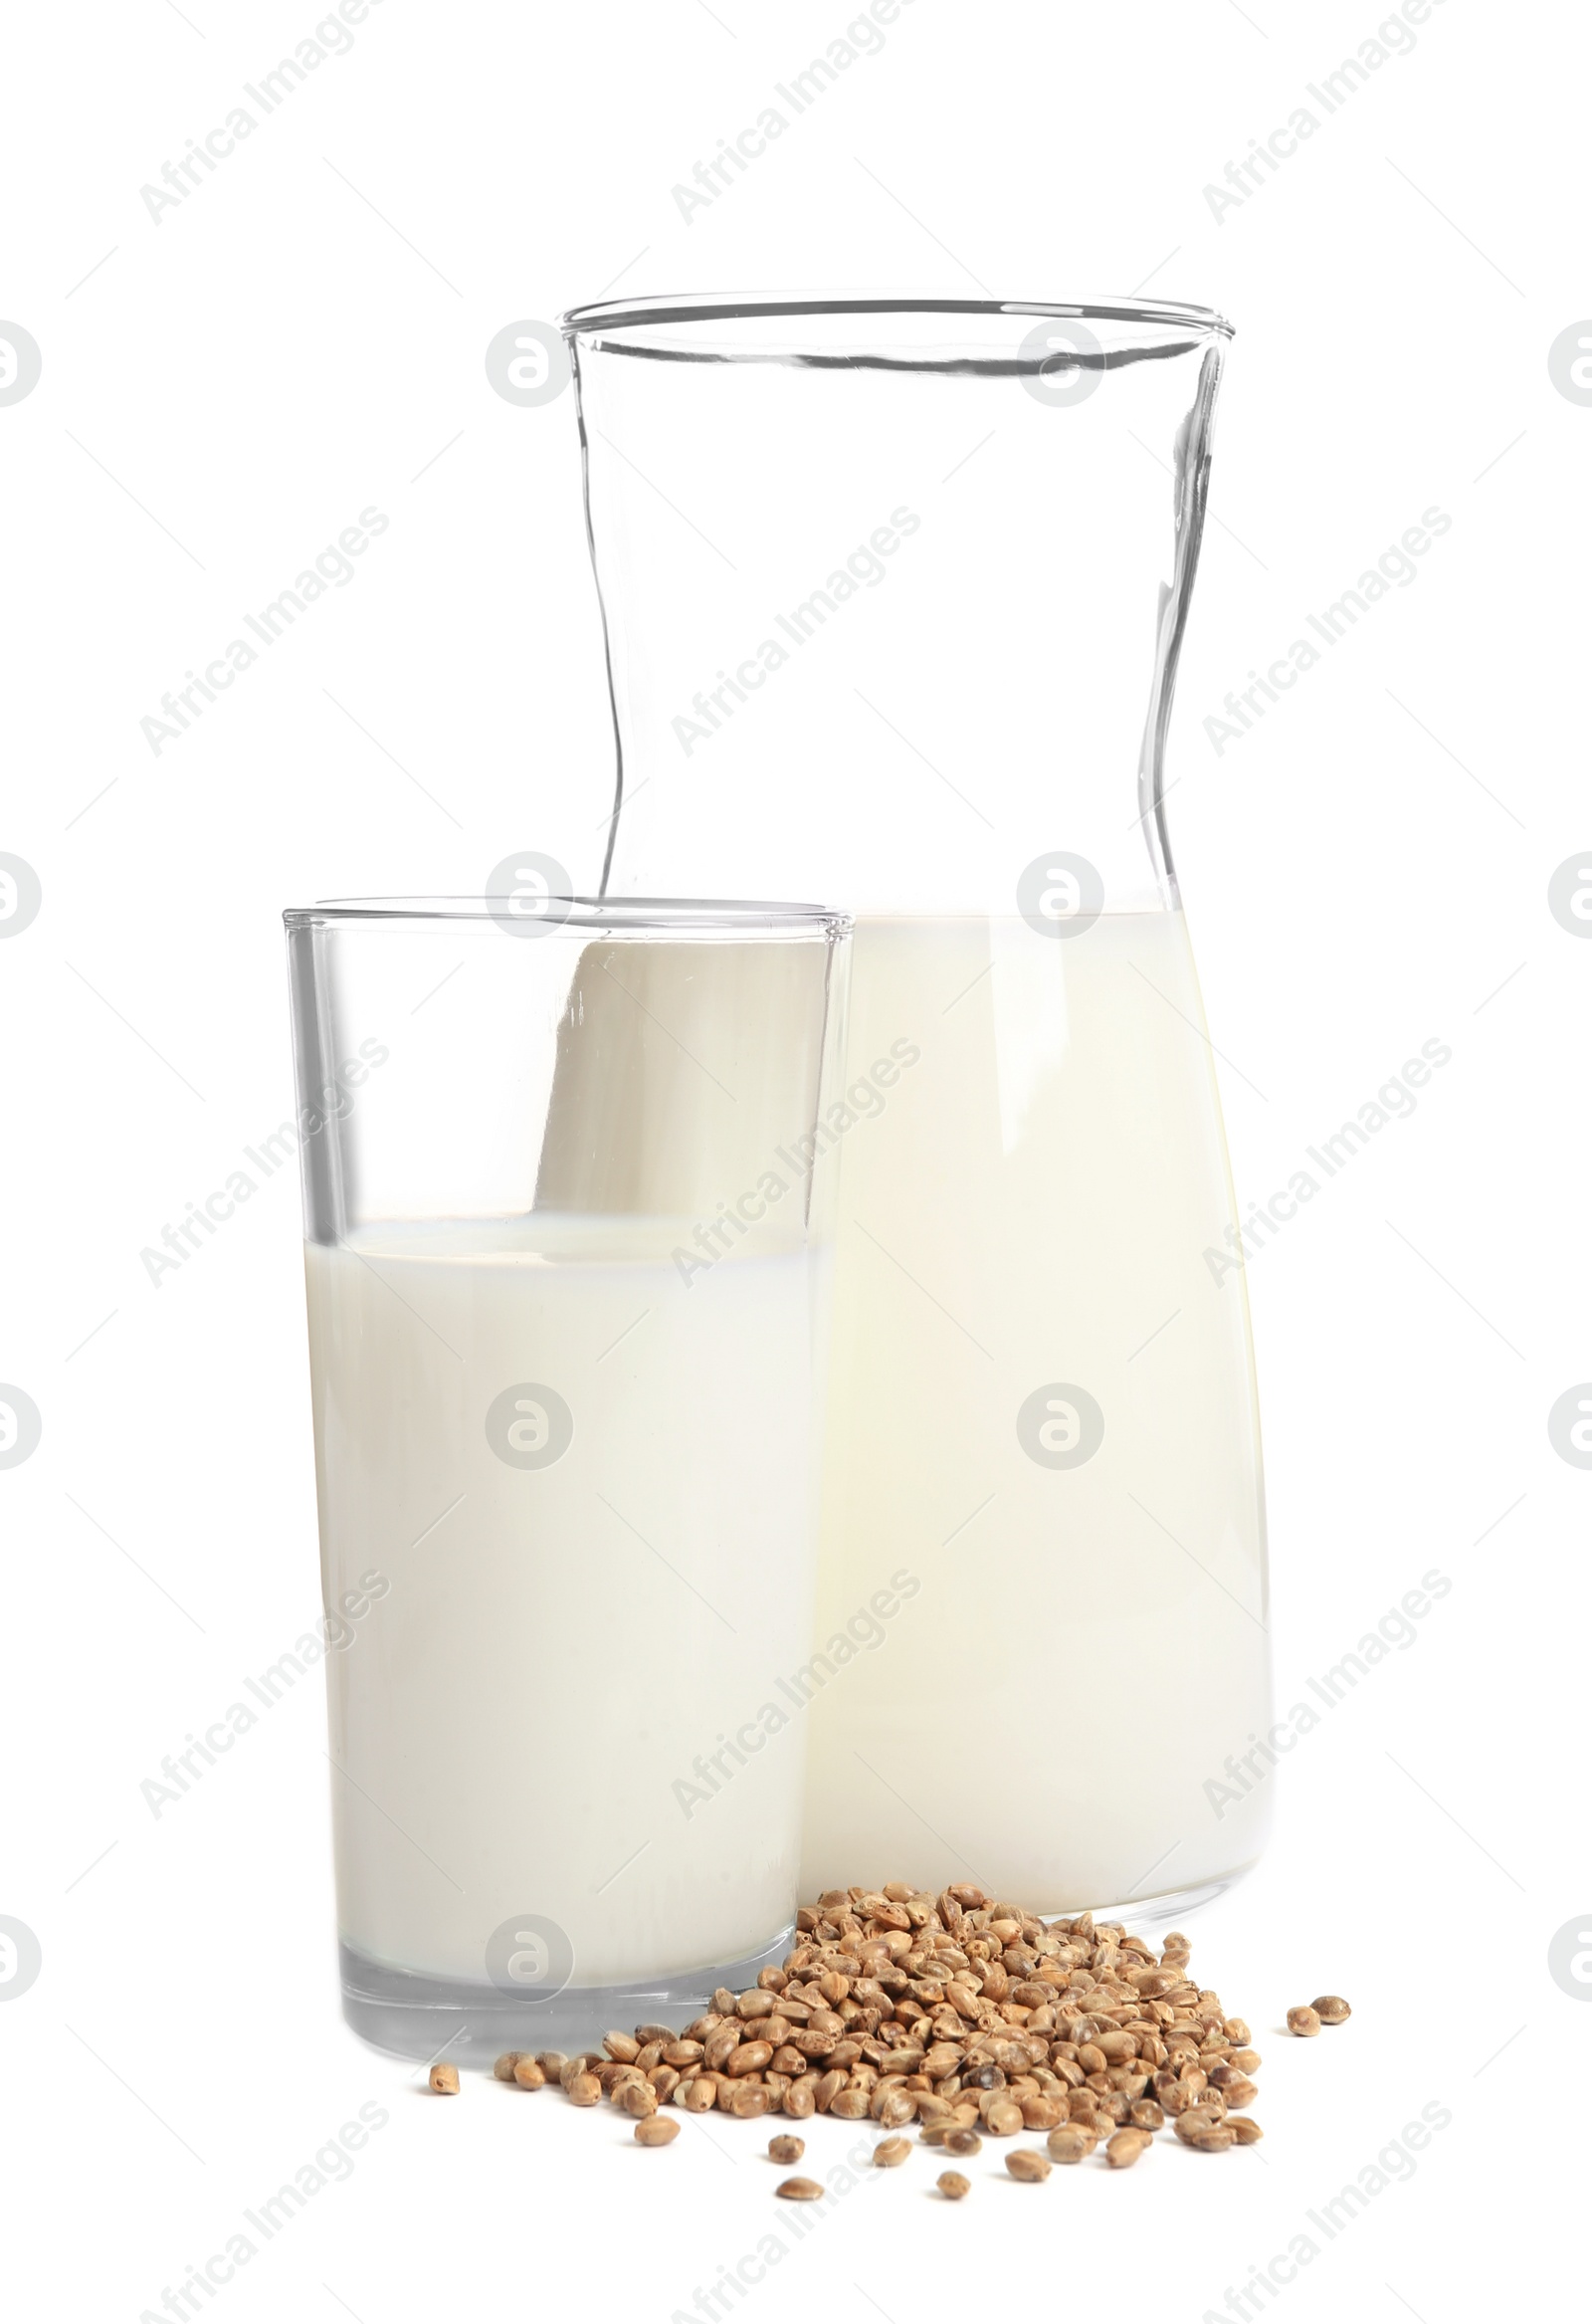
(894,593)
(567,1272)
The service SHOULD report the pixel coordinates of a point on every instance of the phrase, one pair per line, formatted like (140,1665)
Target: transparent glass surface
(567,1261)
(894,594)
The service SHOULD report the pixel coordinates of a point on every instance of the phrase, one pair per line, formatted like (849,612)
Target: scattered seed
(1212,2138)
(890,2151)
(444,2081)
(1304,2021)
(657,2130)
(785,2149)
(1070,2144)
(962,2141)
(1027,2164)
(800,2190)
(503,2067)
(1332,2009)
(526,2074)
(1246,2130)
(1125,2147)
(583,2089)
(953,2186)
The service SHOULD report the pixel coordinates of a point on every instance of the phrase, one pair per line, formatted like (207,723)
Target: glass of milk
(566,1253)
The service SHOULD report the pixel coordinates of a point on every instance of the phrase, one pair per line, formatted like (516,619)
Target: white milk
(521,1726)
(1032,1207)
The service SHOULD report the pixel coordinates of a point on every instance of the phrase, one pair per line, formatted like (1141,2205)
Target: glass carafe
(892,595)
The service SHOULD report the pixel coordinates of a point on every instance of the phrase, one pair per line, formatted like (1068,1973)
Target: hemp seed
(657,2130)
(526,2074)
(444,2081)
(1027,2164)
(1304,2021)
(800,2190)
(1124,2148)
(785,2149)
(1332,2009)
(890,2152)
(953,2186)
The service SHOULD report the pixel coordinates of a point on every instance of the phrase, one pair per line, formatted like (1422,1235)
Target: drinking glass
(567,1268)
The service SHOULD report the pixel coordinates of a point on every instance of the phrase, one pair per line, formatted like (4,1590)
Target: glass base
(410,2016)
(1174,1904)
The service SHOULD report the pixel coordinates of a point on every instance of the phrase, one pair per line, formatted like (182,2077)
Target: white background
(302,338)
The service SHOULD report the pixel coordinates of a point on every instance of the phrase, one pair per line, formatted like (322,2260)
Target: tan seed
(444,2081)
(1246,2130)
(622,2048)
(1304,2021)
(1332,2009)
(1027,2164)
(748,2100)
(1146,2115)
(552,2063)
(800,2190)
(963,2142)
(1005,2118)
(503,2067)
(527,2074)
(800,2100)
(890,2151)
(639,2098)
(849,2105)
(657,2130)
(785,2149)
(1125,2147)
(583,2090)
(953,2186)
(1070,2144)
(1212,2138)
(894,2108)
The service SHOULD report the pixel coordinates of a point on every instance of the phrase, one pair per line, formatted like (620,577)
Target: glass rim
(688,307)
(581,914)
